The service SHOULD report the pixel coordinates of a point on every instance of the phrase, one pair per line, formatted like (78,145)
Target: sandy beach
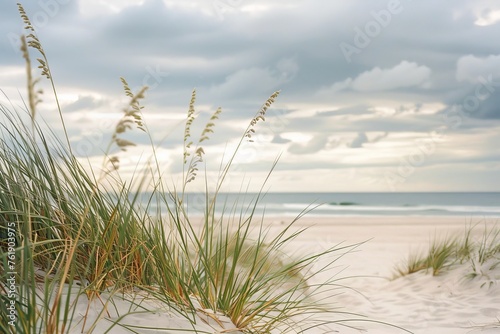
(375,301)
(420,303)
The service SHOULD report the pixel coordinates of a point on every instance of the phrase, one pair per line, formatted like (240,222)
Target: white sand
(420,303)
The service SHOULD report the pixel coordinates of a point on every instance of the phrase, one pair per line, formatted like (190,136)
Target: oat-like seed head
(131,115)
(260,115)
(187,129)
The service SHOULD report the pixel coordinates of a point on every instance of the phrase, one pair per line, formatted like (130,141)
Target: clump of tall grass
(73,237)
(481,253)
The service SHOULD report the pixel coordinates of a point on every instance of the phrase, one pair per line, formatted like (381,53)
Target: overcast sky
(375,95)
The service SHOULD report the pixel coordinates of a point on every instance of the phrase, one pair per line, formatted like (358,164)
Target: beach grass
(71,235)
(479,252)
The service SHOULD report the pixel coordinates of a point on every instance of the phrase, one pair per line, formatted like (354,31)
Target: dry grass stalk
(32,41)
(132,115)
(197,153)
(260,116)
(33,94)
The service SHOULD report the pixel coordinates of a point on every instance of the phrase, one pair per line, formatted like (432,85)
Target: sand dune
(418,303)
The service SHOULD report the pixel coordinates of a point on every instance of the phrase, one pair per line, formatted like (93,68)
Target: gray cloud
(316,144)
(469,107)
(83,103)
(237,59)
(359,140)
(277,139)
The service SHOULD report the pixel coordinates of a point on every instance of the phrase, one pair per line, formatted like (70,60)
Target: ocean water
(477,204)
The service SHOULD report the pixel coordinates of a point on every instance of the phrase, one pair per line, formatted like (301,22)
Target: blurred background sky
(375,95)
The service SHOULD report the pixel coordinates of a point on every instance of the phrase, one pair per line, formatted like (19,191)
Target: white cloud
(488,17)
(486,12)
(225,8)
(91,8)
(405,74)
(482,12)
(471,68)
